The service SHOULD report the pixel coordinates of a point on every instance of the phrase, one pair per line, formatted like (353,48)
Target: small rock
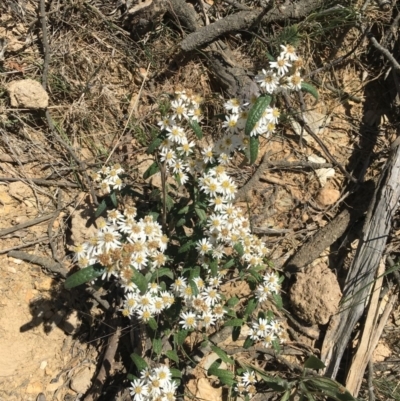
(27,93)
(381,352)
(205,391)
(11,269)
(54,386)
(316,294)
(328,196)
(71,323)
(46,284)
(81,382)
(34,387)
(43,365)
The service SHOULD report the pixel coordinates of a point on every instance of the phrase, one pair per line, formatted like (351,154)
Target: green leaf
(254,144)
(214,268)
(101,208)
(236,333)
(140,363)
(234,323)
(194,125)
(229,264)
(187,246)
(256,112)
(330,388)
(225,376)
(250,307)
(84,275)
(312,90)
(180,337)
(289,35)
(233,301)
(140,281)
(238,247)
(285,396)
(184,210)
(154,168)
(175,372)
(223,355)
(152,323)
(276,383)
(248,343)
(164,271)
(201,214)
(171,354)
(113,198)
(278,301)
(157,346)
(314,363)
(154,145)
(169,202)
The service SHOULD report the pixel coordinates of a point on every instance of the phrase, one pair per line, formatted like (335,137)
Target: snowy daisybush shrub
(172,261)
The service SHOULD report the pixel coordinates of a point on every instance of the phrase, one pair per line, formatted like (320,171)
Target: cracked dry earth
(39,353)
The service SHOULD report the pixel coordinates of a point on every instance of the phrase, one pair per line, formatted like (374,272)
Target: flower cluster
(108,178)
(154,384)
(246,384)
(270,285)
(267,331)
(202,301)
(122,245)
(226,225)
(284,73)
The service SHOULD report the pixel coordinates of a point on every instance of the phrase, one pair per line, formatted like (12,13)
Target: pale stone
(328,196)
(81,382)
(27,93)
(316,294)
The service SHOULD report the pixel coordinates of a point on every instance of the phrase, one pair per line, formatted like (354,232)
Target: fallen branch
(24,245)
(27,224)
(40,181)
(245,19)
(46,50)
(368,256)
(106,367)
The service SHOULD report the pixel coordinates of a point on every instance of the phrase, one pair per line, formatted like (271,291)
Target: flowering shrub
(172,265)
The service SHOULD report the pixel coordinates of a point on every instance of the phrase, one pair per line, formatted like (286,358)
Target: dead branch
(24,245)
(40,181)
(46,50)
(368,256)
(246,19)
(106,367)
(27,224)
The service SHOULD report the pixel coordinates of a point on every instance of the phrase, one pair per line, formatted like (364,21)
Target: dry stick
(50,227)
(371,395)
(238,5)
(384,51)
(9,159)
(106,367)
(25,245)
(245,19)
(304,125)
(40,181)
(57,268)
(26,224)
(53,129)
(370,249)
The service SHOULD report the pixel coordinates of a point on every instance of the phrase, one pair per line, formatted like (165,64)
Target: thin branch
(40,181)
(384,51)
(26,224)
(46,50)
